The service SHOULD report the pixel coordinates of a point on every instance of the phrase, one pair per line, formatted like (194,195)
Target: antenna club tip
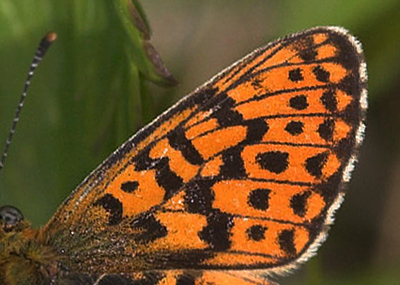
(51,37)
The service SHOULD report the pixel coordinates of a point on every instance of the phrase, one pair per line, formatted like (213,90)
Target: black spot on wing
(167,179)
(259,199)
(295,75)
(299,203)
(256,233)
(233,165)
(315,164)
(113,206)
(273,161)
(326,129)
(256,83)
(217,232)
(129,186)
(286,242)
(344,148)
(256,129)
(353,114)
(329,101)
(329,189)
(224,112)
(305,47)
(204,95)
(149,228)
(321,74)
(298,102)
(307,51)
(143,161)
(178,141)
(294,128)
(199,196)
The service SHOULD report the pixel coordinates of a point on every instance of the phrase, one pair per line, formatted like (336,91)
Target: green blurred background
(92,92)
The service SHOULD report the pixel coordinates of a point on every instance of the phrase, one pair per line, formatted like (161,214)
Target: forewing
(243,173)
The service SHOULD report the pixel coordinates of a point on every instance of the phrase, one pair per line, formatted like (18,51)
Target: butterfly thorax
(24,257)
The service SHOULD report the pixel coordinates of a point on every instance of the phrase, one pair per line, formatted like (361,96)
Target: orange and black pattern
(237,181)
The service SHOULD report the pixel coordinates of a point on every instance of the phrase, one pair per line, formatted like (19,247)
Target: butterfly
(236,182)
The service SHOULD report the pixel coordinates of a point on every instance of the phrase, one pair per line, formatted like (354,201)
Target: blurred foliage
(89,95)
(86,99)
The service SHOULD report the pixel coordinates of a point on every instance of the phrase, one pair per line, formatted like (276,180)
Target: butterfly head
(10,218)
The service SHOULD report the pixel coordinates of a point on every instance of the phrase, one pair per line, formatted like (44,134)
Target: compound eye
(9,217)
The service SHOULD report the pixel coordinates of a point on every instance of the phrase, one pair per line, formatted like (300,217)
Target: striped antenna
(40,52)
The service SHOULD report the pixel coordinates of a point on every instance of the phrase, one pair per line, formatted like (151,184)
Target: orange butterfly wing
(242,174)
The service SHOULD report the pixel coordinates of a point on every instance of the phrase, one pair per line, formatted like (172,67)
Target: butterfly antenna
(40,52)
